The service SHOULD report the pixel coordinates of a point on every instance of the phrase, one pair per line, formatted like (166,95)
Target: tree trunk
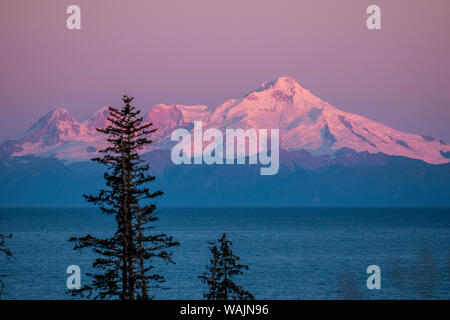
(125,226)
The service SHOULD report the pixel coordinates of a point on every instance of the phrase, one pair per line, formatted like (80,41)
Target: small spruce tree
(125,266)
(224,265)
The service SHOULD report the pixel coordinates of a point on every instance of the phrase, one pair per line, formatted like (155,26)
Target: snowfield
(304,122)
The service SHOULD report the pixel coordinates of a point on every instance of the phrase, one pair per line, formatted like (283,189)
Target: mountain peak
(60,110)
(55,116)
(102,110)
(98,120)
(284,87)
(283,83)
(59,113)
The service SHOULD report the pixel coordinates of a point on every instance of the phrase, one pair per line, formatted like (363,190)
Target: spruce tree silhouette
(125,266)
(224,265)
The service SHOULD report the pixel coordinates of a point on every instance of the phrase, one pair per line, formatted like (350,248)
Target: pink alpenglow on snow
(210,147)
(304,122)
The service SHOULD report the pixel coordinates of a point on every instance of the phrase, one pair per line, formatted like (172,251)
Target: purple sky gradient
(205,52)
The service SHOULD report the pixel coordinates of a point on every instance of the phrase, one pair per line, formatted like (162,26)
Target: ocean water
(293,253)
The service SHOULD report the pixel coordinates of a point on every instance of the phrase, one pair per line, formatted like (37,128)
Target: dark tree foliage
(125,266)
(5,252)
(224,265)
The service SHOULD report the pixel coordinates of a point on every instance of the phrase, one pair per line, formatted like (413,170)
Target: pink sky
(205,52)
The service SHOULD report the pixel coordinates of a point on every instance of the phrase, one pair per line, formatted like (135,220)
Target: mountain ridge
(305,122)
(347,178)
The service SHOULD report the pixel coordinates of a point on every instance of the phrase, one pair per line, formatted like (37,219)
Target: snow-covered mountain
(304,120)
(307,122)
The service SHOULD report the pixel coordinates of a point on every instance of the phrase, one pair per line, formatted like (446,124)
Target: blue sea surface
(293,253)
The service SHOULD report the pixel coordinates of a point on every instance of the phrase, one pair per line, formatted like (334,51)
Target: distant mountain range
(305,123)
(327,157)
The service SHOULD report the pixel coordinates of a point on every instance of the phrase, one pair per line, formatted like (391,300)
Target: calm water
(293,253)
